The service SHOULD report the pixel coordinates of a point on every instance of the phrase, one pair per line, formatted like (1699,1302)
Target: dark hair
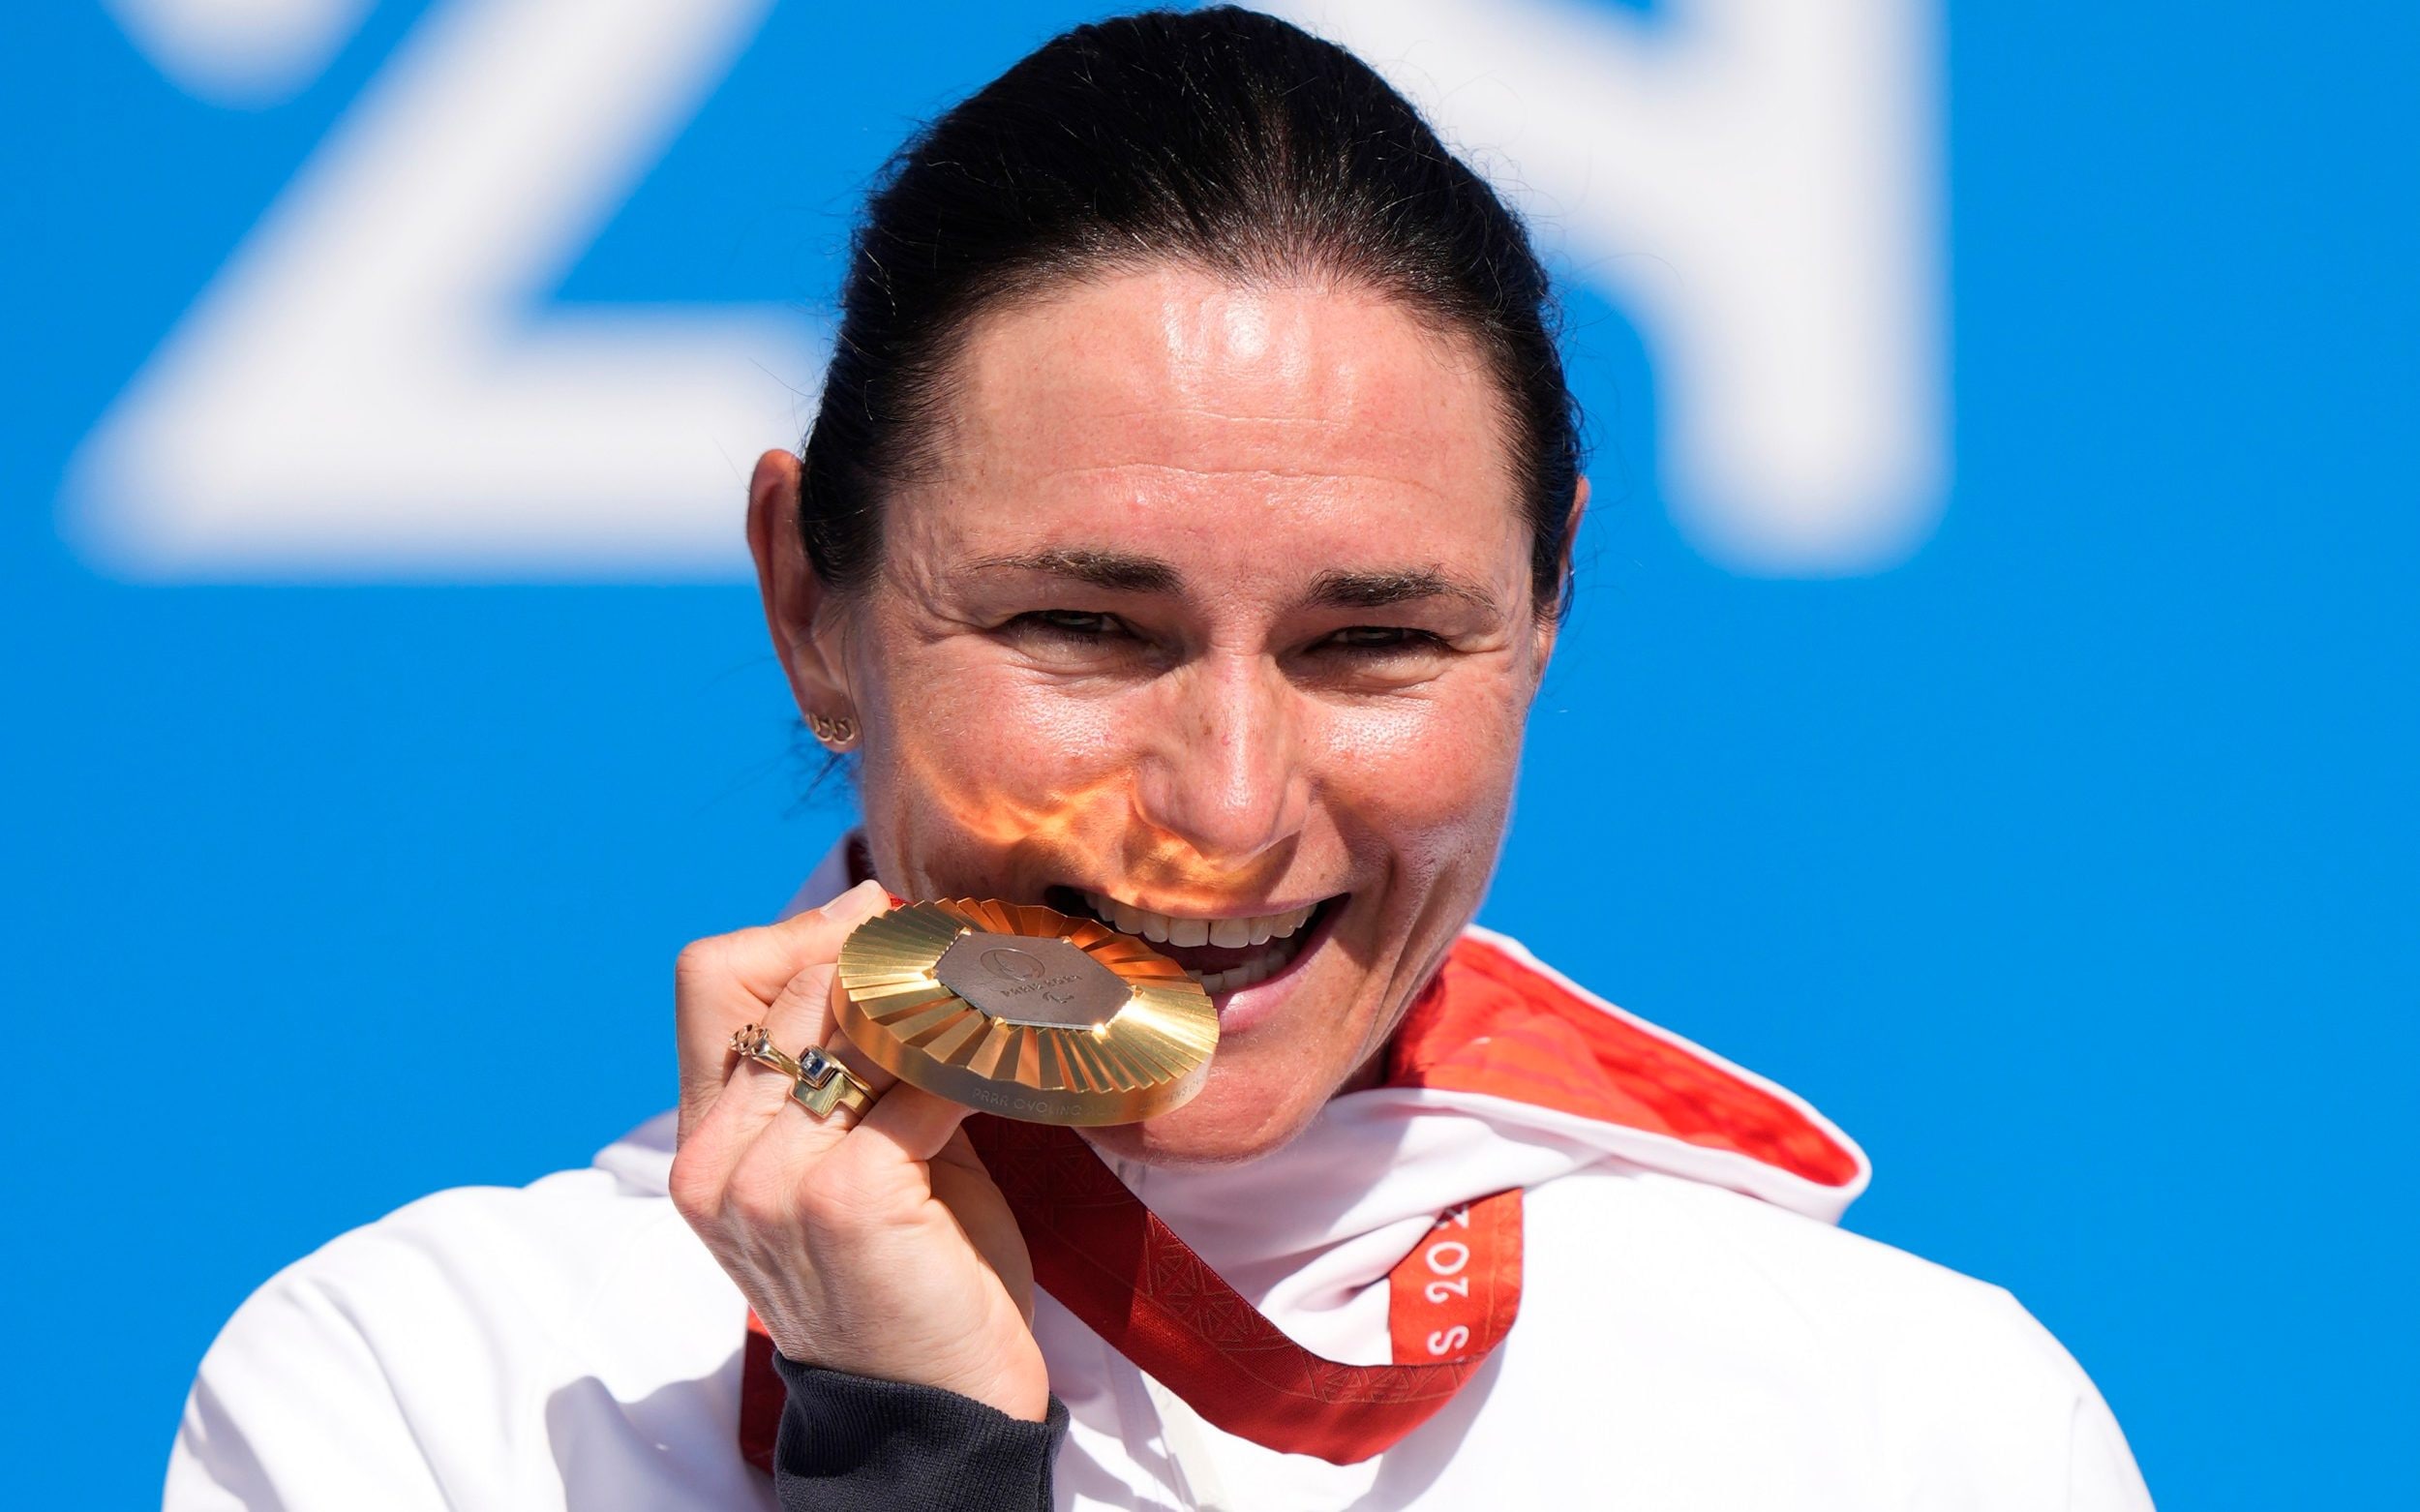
(1221,138)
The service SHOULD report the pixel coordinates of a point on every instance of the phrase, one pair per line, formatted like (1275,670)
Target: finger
(756,1096)
(962,1184)
(762,959)
(729,980)
(773,1153)
(908,1127)
(751,1125)
(959,1151)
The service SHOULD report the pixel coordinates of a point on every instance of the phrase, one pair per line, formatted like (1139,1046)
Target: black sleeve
(853,1443)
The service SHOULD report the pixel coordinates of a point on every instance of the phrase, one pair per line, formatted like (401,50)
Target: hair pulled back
(1222,139)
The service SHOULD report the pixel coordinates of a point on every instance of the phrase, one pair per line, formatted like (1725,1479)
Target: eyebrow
(1341,589)
(1120,572)
(1126,572)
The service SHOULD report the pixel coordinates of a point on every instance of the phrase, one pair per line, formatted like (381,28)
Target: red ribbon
(1489,1023)
(1126,1275)
(1110,1260)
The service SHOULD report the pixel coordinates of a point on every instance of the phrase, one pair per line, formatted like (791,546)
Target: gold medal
(1022,1010)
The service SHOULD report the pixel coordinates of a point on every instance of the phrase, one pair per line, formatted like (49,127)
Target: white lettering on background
(1755,184)
(368,389)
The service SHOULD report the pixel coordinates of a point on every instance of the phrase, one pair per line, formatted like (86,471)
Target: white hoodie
(1693,1334)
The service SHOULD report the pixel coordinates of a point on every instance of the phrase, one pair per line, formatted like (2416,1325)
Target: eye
(1382,640)
(1078,626)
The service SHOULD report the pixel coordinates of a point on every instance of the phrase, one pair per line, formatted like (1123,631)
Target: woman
(1181,539)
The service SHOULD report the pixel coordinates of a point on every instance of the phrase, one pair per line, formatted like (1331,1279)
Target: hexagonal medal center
(1049,983)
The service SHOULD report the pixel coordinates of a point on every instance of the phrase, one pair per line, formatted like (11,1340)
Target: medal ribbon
(1126,1275)
(1489,1023)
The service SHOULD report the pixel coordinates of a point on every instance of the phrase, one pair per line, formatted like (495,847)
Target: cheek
(979,758)
(993,726)
(972,762)
(1429,780)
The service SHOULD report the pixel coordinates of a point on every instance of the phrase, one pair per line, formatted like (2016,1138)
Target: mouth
(1225,954)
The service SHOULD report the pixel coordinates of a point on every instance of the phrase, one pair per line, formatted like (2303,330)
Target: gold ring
(818,1083)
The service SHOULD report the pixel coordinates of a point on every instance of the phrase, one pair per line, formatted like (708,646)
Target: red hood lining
(1491,1023)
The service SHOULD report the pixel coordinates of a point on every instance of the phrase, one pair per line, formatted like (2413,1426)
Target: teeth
(1232,933)
(1243,976)
(1274,931)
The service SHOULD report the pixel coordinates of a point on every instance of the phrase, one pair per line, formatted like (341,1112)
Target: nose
(1226,777)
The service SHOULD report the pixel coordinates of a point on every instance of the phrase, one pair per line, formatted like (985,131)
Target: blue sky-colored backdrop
(2073,865)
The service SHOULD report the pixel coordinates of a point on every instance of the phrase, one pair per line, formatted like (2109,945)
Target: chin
(1258,1097)
(1230,1121)
(1285,1038)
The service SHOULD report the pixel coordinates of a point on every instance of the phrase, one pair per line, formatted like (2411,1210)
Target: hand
(881,1249)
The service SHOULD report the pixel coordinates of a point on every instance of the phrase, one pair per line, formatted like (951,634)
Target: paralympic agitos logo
(1020,971)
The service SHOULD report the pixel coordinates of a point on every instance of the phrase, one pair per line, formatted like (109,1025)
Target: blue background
(2073,866)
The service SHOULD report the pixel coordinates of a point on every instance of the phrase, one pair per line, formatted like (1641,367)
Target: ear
(794,597)
(1547,627)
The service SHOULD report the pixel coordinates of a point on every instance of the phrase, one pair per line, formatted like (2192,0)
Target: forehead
(1169,409)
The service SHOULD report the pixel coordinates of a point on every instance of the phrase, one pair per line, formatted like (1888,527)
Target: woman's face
(1215,605)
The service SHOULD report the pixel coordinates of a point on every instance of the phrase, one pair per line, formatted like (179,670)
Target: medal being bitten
(1022,1010)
